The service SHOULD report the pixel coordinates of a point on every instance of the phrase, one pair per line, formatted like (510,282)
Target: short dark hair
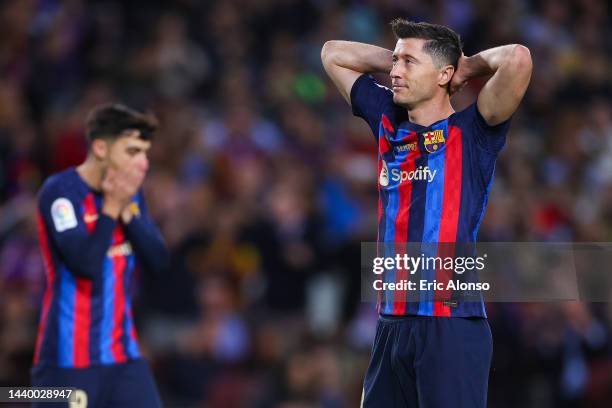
(443,44)
(109,121)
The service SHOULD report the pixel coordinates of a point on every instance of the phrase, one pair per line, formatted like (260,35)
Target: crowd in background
(264,185)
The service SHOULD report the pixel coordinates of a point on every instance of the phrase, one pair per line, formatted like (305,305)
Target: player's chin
(400,99)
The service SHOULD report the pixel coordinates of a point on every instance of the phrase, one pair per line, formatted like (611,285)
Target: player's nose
(395,71)
(142,163)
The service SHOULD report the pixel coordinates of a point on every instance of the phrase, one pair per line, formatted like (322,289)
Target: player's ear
(446,74)
(100,149)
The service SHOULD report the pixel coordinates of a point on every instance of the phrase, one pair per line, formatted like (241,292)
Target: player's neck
(91,173)
(431,111)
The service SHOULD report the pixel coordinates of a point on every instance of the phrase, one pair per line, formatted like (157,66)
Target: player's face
(129,151)
(414,75)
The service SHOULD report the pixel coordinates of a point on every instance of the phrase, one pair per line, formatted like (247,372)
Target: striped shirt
(433,185)
(86,316)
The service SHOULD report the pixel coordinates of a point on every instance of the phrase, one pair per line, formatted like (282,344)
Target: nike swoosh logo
(90,218)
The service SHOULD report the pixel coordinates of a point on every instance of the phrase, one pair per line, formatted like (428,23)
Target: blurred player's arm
(345,61)
(145,237)
(82,252)
(510,67)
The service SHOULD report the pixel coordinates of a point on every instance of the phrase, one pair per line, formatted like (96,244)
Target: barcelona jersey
(433,184)
(86,317)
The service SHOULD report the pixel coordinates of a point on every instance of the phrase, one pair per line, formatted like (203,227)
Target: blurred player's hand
(460,77)
(119,187)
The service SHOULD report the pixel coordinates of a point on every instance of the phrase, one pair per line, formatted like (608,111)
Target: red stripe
(119,263)
(386,123)
(402,222)
(380,209)
(133,333)
(50,275)
(90,212)
(450,213)
(82,322)
(383,143)
(383,147)
(82,303)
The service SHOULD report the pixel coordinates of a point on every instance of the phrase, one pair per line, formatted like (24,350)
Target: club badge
(434,140)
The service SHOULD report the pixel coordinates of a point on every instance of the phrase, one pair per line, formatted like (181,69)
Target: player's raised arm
(511,68)
(345,61)
(81,251)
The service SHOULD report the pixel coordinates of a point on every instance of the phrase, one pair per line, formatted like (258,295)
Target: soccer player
(430,352)
(93,227)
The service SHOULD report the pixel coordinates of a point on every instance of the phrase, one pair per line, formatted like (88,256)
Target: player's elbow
(329,52)
(521,59)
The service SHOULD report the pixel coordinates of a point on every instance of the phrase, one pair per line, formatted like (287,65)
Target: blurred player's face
(414,76)
(128,151)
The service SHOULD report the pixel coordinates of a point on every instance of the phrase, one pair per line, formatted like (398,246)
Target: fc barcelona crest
(434,140)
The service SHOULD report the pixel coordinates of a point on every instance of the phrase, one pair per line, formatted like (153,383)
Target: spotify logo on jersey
(421,173)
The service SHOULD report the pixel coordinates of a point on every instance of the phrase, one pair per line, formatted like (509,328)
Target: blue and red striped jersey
(433,184)
(89,258)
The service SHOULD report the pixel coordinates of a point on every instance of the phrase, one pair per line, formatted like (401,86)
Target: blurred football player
(93,228)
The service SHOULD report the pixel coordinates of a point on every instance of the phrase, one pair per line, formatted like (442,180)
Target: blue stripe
(415,229)
(108,305)
(382,227)
(132,346)
(432,219)
(384,199)
(65,341)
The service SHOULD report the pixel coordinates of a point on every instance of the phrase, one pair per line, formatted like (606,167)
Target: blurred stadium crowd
(264,185)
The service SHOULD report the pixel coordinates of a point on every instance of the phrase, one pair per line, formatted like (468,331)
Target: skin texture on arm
(511,67)
(345,61)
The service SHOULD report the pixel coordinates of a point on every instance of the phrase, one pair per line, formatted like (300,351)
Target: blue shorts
(129,384)
(429,362)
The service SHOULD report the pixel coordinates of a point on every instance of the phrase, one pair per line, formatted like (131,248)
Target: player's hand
(460,77)
(119,187)
(127,215)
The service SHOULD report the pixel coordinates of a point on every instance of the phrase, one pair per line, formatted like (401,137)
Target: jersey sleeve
(82,252)
(489,138)
(144,235)
(369,100)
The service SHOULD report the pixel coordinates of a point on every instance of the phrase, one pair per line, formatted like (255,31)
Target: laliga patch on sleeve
(63,214)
